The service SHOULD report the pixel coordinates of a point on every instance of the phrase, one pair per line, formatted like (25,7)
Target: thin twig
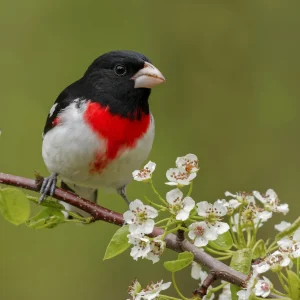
(207,282)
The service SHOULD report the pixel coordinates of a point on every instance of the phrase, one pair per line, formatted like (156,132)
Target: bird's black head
(122,80)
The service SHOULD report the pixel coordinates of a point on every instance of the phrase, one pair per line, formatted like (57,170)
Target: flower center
(144,173)
(265,287)
(180,176)
(176,208)
(199,230)
(143,244)
(141,216)
(212,218)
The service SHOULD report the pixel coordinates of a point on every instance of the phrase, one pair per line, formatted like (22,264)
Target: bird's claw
(48,186)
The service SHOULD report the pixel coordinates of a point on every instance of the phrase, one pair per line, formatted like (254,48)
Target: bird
(100,128)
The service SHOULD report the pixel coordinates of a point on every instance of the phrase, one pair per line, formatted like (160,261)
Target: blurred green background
(231,97)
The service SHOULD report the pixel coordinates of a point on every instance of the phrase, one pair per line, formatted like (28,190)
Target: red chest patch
(120,132)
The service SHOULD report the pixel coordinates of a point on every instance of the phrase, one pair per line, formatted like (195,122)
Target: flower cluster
(260,287)
(211,226)
(240,216)
(185,171)
(140,219)
(289,249)
(152,290)
(253,215)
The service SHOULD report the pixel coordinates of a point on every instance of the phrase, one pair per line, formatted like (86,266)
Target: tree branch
(219,269)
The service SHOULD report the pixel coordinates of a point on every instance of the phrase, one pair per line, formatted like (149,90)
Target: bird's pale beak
(148,77)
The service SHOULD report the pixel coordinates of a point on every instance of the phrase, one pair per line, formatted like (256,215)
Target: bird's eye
(120,70)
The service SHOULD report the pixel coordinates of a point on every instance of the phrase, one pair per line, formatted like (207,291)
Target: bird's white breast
(69,149)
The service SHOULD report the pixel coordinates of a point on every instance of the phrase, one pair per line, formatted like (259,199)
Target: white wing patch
(52,109)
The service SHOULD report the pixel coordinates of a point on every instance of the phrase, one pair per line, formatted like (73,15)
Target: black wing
(65,98)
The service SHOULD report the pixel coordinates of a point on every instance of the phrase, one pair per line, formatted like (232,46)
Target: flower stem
(271,246)
(217,252)
(255,232)
(298,266)
(249,238)
(154,204)
(176,228)
(241,236)
(282,282)
(161,221)
(190,189)
(176,287)
(219,287)
(277,292)
(167,297)
(195,218)
(166,227)
(157,194)
(224,257)
(233,234)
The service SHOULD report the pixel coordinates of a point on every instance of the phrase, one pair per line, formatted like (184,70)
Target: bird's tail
(84,192)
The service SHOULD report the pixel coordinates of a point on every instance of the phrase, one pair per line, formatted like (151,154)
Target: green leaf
(47,203)
(294,285)
(46,218)
(184,259)
(118,243)
(259,250)
(223,242)
(241,261)
(14,205)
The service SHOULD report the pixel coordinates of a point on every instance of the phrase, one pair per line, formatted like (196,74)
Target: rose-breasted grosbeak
(100,128)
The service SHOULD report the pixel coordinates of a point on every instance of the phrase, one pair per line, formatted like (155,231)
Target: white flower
(141,245)
(271,201)
(178,206)
(144,174)
(197,272)
(231,205)
(201,233)
(263,287)
(250,216)
(296,236)
(139,217)
(282,226)
(279,258)
(244,294)
(179,177)
(285,244)
(153,290)
(189,163)
(157,247)
(134,289)
(264,215)
(226,293)
(205,209)
(213,214)
(241,197)
(261,267)
(289,247)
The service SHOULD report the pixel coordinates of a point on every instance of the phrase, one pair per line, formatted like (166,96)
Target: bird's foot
(48,186)
(122,192)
